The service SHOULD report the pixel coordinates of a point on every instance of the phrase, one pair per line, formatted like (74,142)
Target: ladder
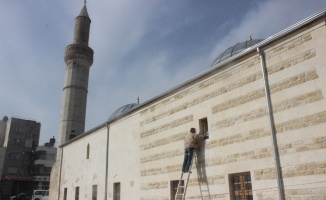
(185,185)
(202,182)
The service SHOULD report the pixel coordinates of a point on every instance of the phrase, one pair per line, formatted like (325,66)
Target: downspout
(272,126)
(59,180)
(106,162)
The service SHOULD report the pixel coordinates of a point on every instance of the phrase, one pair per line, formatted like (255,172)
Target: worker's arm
(201,136)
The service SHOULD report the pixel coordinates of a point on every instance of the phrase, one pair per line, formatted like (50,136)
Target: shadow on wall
(201,171)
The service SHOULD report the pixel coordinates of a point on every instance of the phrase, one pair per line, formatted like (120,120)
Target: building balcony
(46,163)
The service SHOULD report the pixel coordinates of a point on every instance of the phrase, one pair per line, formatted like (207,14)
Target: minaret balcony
(78,52)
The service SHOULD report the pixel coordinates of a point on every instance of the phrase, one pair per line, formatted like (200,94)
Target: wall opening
(87,153)
(77,193)
(94,192)
(240,186)
(65,194)
(203,127)
(116,191)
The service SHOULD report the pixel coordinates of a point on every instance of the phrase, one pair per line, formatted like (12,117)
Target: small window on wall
(77,193)
(116,191)
(174,188)
(94,192)
(65,194)
(87,153)
(240,186)
(203,126)
(12,170)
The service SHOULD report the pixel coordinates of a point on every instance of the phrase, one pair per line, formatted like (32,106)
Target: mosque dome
(233,50)
(122,110)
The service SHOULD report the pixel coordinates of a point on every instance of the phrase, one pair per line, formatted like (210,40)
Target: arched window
(88,148)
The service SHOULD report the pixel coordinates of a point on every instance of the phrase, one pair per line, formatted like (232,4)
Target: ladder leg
(202,182)
(179,186)
(186,185)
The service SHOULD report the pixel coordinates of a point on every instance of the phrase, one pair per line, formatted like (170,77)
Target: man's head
(193,130)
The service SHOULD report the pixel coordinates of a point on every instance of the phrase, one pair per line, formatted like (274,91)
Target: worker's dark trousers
(189,152)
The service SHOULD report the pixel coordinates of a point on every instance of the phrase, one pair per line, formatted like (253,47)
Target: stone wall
(239,88)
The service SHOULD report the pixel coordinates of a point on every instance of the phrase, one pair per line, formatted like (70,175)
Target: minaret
(78,58)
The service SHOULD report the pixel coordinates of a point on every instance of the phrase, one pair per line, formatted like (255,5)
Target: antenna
(84,1)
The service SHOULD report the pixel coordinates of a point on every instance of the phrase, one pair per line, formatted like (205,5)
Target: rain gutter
(272,126)
(59,180)
(106,162)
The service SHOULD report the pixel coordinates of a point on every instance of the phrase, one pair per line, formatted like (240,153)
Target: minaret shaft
(78,58)
(81,33)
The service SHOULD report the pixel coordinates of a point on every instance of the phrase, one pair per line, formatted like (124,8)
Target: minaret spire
(78,58)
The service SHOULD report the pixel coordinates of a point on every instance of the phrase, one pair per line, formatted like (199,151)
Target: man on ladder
(190,144)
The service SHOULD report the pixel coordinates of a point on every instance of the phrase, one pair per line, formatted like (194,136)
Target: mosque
(262,102)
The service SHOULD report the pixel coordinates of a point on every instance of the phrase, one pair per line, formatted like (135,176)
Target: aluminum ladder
(202,182)
(185,185)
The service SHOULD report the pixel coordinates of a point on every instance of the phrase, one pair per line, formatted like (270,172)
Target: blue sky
(141,48)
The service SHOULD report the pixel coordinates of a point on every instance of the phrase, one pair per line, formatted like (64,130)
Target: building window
(18,129)
(87,153)
(94,192)
(174,188)
(28,142)
(116,191)
(35,132)
(15,142)
(14,156)
(203,126)
(65,194)
(50,156)
(12,170)
(34,144)
(77,193)
(240,186)
(47,170)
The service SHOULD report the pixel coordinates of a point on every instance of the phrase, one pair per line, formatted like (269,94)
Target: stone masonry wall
(220,92)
